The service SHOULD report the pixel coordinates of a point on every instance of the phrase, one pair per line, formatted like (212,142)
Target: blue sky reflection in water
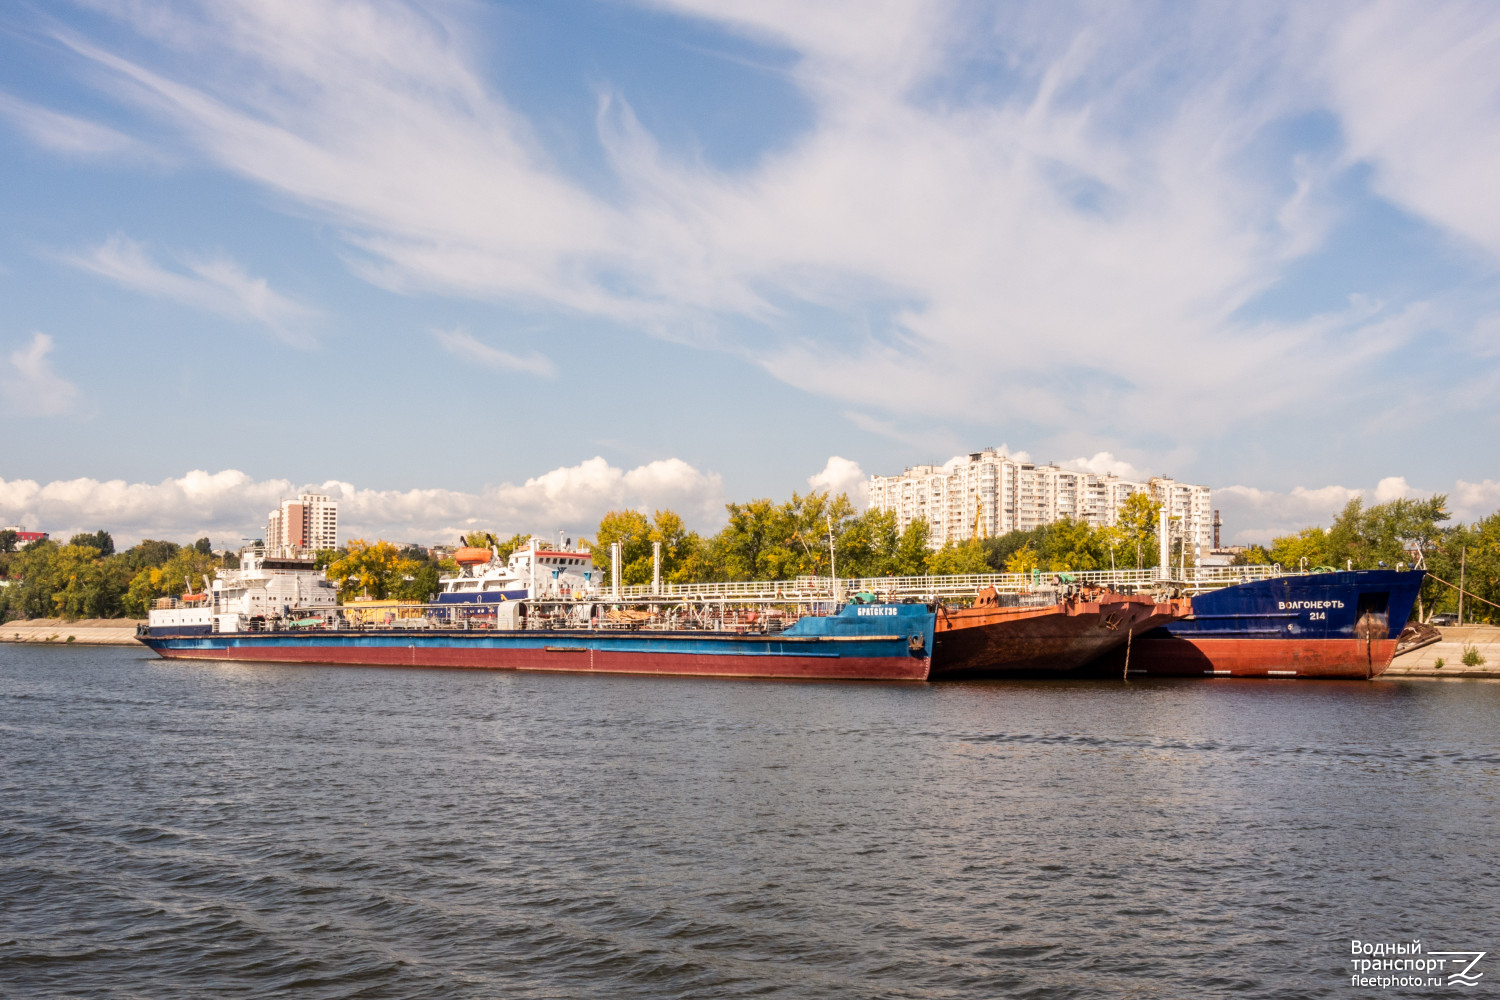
(174,830)
(675,252)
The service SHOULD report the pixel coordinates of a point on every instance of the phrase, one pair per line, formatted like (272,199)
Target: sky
(511,265)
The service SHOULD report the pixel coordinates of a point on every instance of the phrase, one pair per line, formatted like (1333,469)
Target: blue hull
(862,642)
(1309,606)
(1318,625)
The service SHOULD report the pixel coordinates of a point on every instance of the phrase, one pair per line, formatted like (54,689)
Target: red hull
(580,661)
(1274,658)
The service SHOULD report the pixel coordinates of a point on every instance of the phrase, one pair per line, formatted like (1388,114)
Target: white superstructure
(1000,493)
(263,587)
(535,571)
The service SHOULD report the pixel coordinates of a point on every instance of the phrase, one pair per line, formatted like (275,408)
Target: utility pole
(1463,559)
(833,572)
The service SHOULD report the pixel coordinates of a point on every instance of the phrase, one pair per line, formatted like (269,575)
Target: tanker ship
(891,642)
(1313,625)
(1073,625)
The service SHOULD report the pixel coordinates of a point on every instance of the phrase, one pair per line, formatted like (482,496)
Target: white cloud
(214,284)
(1472,501)
(1004,451)
(1397,488)
(1067,250)
(1104,463)
(66,134)
(1255,515)
(841,475)
(229,505)
(1418,97)
(31,387)
(463,345)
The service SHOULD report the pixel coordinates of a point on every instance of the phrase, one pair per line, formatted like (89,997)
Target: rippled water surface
(171,830)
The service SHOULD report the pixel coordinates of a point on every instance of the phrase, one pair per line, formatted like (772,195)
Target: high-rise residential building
(994,493)
(306,524)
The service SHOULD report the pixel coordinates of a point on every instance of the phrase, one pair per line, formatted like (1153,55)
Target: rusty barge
(996,638)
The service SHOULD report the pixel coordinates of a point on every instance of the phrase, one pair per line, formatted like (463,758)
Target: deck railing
(1198,578)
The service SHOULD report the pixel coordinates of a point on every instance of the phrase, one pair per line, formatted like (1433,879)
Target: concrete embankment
(58,631)
(1483,639)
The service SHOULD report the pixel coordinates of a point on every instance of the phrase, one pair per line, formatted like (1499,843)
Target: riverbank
(84,631)
(1424,662)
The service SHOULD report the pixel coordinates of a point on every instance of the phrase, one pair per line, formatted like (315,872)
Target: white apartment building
(306,524)
(1001,494)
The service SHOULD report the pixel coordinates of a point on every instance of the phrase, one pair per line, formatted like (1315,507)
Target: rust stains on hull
(987,640)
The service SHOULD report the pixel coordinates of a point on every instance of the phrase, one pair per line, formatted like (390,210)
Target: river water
(227,830)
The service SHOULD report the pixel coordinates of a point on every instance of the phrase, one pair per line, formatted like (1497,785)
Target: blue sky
(509,265)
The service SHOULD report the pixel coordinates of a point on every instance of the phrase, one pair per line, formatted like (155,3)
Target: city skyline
(678,253)
(230,507)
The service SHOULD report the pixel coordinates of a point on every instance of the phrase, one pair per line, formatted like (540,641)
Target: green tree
(1366,537)
(99,540)
(1023,560)
(1469,554)
(149,552)
(204,547)
(748,542)
(1253,555)
(86,585)
(910,557)
(1307,548)
(186,567)
(768,541)
(1112,547)
(963,557)
(998,550)
(632,530)
(30,573)
(1071,545)
(511,544)
(870,545)
(1137,525)
(702,561)
(680,548)
(1363,538)
(373,569)
(8,540)
(67,581)
(421,583)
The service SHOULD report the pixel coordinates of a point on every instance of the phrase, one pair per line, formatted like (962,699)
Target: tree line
(766,540)
(1402,532)
(87,578)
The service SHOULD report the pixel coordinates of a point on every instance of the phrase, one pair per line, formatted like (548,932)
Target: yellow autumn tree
(371,569)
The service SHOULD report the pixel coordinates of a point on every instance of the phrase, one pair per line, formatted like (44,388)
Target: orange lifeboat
(472,557)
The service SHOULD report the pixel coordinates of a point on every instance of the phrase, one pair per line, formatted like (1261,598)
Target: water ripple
(172,830)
